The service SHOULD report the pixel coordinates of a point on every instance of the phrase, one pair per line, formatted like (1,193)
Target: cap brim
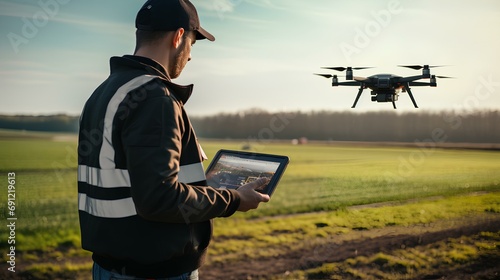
(203,34)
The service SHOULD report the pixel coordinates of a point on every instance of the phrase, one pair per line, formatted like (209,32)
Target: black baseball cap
(170,15)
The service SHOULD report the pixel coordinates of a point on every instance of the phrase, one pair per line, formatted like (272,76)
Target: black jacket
(144,206)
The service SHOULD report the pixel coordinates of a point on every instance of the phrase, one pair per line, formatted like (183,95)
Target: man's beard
(179,62)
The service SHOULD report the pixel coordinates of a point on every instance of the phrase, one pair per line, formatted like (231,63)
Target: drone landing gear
(358,96)
(394,104)
(407,88)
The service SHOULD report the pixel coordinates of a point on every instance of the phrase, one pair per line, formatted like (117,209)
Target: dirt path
(357,243)
(314,253)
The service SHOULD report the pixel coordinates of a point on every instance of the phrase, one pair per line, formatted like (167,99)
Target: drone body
(384,87)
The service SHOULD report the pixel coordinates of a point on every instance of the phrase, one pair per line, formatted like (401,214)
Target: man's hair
(144,37)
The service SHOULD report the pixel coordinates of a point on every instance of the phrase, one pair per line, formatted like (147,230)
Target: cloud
(226,9)
(24,79)
(55,14)
(223,6)
(101,26)
(268,4)
(229,6)
(21,64)
(17,10)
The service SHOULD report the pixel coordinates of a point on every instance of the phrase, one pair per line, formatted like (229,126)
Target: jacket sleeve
(152,138)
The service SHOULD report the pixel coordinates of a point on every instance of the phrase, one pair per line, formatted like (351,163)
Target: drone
(385,87)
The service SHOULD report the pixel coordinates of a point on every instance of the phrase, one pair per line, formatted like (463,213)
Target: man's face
(183,55)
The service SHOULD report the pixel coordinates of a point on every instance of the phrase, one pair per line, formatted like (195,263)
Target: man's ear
(178,36)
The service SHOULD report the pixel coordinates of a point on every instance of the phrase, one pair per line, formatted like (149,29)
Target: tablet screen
(232,169)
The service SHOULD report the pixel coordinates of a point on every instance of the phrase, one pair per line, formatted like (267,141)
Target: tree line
(45,123)
(449,126)
(474,127)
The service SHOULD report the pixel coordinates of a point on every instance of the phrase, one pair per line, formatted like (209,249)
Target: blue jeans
(99,273)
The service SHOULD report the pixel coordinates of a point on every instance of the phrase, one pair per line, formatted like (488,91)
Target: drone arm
(419,84)
(407,87)
(411,78)
(349,84)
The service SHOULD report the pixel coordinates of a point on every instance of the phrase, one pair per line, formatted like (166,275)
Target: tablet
(232,169)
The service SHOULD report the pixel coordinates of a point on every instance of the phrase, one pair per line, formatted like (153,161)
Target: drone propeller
(325,75)
(445,77)
(345,68)
(328,75)
(418,67)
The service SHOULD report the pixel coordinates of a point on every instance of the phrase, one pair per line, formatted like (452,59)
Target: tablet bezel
(271,186)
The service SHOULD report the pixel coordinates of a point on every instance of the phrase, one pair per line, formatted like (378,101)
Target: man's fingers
(249,195)
(259,183)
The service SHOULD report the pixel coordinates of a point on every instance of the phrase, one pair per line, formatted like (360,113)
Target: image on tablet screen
(232,172)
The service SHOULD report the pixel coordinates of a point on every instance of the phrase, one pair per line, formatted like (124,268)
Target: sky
(54,53)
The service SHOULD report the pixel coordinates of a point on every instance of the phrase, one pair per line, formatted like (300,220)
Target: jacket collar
(151,67)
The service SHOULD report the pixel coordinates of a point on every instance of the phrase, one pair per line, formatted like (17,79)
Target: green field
(314,199)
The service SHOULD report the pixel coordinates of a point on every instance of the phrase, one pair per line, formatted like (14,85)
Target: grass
(328,177)
(51,271)
(45,208)
(321,182)
(36,155)
(279,234)
(422,262)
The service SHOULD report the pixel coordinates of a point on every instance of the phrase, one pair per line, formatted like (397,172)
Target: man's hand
(249,197)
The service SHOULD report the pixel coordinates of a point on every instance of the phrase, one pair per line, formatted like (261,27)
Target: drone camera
(384,97)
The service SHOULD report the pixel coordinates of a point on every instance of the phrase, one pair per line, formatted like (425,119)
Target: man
(145,210)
